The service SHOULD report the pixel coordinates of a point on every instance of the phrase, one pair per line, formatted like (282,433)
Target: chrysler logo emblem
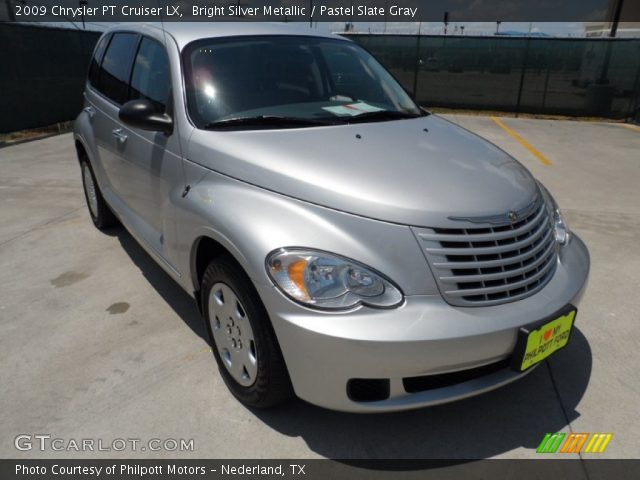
(511,217)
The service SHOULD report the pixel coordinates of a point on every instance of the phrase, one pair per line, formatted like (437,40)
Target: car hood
(414,172)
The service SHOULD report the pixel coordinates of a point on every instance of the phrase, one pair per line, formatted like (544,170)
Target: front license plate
(538,343)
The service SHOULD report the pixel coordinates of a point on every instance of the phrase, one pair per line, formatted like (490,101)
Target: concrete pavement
(96,341)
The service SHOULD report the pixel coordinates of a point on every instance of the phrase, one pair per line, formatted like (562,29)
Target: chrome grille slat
(490,264)
(488,250)
(479,237)
(500,288)
(504,273)
(494,263)
(512,298)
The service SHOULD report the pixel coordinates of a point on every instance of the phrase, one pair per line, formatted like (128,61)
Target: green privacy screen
(42,72)
(578,77)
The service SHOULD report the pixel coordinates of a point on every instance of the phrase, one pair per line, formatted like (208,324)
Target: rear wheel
(100,213)
(242,338)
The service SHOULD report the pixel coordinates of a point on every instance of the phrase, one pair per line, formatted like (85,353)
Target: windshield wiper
(381,115)
(266,121)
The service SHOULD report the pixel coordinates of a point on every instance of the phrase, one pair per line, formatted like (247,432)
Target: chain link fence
(43,72)
(42,75)
(560,76)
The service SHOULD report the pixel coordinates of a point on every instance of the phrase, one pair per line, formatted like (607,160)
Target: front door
(151,166)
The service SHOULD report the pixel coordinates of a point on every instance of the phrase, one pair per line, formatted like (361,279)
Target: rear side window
(150,78)
(94,68)
(116,65)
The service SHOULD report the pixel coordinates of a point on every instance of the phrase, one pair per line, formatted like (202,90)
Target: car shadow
(516,415)
(182,304)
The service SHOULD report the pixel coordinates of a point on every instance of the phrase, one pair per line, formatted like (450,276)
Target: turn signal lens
(560,227)
(296,274)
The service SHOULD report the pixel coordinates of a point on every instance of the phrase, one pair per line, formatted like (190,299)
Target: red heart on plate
(547,334)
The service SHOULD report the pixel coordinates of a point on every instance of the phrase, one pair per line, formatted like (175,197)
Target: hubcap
(233,335)
(90,188)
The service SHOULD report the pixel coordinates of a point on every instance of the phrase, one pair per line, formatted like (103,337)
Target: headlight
(560,227)
(326,281)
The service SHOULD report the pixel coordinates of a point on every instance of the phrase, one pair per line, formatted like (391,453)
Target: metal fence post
(634,100)
(416,67)
(546,85)
(10,11)
(525,62)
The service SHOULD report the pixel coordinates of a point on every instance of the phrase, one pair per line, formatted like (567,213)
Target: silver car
(342,244)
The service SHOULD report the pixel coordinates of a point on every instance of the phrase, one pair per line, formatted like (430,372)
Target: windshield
(293,77)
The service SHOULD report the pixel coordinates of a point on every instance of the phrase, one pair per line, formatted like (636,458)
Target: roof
(186,32)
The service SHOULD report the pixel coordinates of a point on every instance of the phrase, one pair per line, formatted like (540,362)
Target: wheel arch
(204,249)
(81,150)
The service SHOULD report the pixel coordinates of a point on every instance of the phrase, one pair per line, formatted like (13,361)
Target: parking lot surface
(97,342)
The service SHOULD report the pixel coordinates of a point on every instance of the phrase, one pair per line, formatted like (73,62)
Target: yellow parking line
(530,148)
(630,127)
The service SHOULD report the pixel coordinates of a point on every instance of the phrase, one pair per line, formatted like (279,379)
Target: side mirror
(142,114)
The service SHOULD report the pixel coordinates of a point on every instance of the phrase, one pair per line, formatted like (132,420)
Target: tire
(240,333)
(99,211)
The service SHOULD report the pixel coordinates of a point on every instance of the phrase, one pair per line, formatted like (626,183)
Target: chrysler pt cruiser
(342,244)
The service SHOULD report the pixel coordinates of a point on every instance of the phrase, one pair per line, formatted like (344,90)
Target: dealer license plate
(534,345)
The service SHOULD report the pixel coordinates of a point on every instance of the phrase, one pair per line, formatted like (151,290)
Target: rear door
(95,116)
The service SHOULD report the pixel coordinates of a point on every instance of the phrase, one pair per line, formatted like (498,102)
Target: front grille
(442,380)
(492,264)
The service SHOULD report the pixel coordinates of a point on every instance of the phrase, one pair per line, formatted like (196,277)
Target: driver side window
(151,78)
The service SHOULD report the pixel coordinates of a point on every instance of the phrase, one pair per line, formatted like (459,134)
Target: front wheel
(242,338)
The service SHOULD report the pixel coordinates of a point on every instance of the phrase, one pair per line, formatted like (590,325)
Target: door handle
(90,111)
(119,134)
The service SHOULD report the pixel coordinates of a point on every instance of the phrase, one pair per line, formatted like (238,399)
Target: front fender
(250,222)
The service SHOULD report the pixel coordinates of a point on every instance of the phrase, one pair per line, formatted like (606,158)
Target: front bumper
(425,336)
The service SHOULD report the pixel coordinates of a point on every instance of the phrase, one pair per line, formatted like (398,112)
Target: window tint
(302,77)
(150,78)
(97,58)
(350,72)
(114,74)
